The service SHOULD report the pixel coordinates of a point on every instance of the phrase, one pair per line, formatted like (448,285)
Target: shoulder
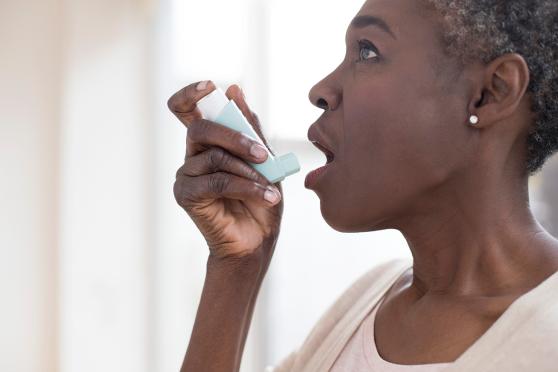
(377,280)
(348,306)
(378,276)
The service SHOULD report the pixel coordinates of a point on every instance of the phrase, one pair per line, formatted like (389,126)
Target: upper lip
(318,141)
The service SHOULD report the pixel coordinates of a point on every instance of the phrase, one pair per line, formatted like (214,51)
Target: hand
(223,195)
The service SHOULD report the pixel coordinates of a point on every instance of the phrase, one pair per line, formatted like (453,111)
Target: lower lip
(313,177)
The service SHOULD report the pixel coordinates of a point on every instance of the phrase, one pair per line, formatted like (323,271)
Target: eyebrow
(370,20)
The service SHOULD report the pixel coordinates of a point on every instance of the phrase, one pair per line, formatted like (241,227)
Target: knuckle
(218,159)
(183,192)
(178,192)
(219,182)
(197,131)
(170,103)
(254,175)
(173,103)
(256,189)
(180,101)
(178,173)
(243,140)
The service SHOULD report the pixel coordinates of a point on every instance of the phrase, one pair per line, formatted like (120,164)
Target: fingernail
(258,151)
(202,85)
(271,196)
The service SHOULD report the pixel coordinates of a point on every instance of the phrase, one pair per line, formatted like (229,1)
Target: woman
(434,121)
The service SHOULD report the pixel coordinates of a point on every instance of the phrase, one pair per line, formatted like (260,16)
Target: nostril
(322,103)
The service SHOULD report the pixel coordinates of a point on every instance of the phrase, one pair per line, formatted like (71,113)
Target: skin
(457,193)
(225,199)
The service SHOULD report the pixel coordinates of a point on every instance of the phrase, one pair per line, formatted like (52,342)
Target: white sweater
(524,338)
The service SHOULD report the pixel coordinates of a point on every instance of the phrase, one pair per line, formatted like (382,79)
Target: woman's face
(395,118)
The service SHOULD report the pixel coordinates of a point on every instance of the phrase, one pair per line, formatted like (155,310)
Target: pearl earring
(474,119)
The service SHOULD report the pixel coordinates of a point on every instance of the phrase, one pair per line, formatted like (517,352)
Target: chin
(351,224)
(338,221)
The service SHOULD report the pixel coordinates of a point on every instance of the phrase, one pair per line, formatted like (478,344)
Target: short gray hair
(486,29)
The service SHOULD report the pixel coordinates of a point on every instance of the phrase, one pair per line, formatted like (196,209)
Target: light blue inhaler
(218,108)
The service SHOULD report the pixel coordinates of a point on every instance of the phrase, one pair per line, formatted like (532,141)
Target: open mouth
(329,155)
(312,178)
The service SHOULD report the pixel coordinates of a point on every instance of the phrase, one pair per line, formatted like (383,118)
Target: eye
(367,50)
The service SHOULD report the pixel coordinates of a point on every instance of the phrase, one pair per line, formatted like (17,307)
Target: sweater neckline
(528,299)
(373,357)
(525,305)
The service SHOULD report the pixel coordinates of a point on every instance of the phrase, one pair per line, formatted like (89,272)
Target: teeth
(329,155)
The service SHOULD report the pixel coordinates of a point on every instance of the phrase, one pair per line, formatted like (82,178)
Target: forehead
(403,19)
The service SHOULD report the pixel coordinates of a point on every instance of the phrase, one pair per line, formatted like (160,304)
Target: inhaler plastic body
(218,108)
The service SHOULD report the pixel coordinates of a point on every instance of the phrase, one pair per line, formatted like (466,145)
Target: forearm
(224,314)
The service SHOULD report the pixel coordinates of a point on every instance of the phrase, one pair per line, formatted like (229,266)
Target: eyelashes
(364,45)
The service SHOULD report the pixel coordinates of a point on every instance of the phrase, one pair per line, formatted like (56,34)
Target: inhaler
(218,108)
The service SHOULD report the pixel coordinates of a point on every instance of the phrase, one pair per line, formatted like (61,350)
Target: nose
(325,95)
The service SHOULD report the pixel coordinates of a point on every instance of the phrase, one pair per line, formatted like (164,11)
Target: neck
(478,237)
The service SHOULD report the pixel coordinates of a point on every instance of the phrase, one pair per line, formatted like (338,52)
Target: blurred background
(101,270)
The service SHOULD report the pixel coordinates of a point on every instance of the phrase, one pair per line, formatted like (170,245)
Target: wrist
(250,265)
(245,267)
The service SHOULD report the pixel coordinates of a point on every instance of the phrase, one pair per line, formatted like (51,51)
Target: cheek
(404,133)
(395,146)
(435,139)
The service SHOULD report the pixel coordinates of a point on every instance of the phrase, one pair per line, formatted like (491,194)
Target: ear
(505,82)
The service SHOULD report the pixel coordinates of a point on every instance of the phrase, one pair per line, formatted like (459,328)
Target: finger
(217,159)
(235,93)
(203,133)
(222,185)
(183,103)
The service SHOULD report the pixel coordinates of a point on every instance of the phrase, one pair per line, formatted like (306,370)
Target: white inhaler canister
(218,108)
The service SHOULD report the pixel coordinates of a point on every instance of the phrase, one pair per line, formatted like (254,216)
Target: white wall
(29,129)
(106,170)
(75,177)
